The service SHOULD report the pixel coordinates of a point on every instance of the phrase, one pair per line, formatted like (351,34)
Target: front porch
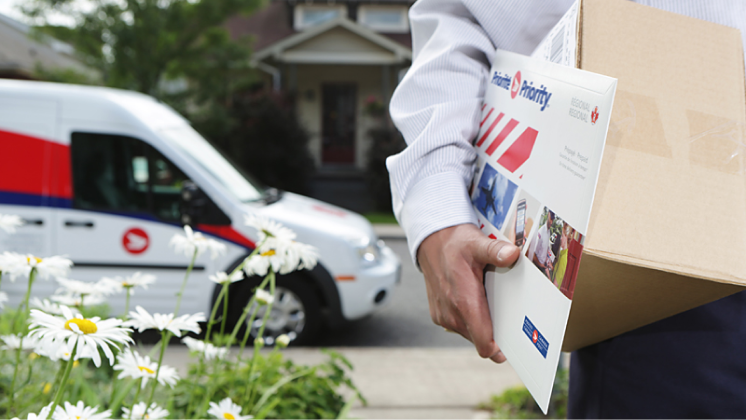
(342,76)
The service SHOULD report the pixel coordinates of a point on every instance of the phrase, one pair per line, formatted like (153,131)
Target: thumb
(495,252)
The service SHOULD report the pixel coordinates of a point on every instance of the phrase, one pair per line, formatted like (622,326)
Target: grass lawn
(380,218)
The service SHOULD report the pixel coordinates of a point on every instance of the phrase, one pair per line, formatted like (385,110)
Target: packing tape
(722,147)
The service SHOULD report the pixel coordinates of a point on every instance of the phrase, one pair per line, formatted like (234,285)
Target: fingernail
(505,252)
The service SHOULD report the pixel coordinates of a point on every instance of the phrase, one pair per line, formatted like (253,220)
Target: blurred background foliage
(179,52)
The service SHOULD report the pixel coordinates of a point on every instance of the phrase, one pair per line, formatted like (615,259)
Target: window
(384,18)
(123,174)
(308,15)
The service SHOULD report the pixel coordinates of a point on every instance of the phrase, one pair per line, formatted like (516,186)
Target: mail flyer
(542,134)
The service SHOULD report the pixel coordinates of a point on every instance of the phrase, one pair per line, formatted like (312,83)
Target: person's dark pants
(691,365)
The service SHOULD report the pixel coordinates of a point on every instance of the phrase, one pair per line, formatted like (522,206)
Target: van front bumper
(372,288)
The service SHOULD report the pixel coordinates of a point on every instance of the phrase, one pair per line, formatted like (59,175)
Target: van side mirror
(193,203)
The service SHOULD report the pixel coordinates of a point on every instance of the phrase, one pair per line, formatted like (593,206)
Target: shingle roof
(20,54)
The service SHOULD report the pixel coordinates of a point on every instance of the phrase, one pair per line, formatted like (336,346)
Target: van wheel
(296,310)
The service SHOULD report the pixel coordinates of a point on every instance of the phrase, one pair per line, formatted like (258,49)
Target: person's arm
(437,109)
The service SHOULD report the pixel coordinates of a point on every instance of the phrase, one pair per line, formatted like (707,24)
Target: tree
(143,44)
(136,44)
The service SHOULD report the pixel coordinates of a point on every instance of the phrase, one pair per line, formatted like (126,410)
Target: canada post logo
(527,90)
(516,85)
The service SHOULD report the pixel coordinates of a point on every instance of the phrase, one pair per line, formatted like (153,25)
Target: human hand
(453,262)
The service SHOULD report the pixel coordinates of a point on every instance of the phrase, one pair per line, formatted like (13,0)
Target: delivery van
(107,177)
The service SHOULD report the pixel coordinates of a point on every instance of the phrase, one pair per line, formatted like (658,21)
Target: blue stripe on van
(21,199)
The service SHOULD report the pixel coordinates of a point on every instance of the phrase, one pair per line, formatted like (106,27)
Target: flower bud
(263,297)
(283,340)
(259,341)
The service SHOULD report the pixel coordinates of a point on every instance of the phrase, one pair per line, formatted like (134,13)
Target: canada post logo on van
(524,88)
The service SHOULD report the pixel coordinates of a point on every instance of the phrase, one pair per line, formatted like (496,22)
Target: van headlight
(369,252)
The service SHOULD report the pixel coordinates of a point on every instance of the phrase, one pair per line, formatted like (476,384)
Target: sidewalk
(389,231)
(409,383)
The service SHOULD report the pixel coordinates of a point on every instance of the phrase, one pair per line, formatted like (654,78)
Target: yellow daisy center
(76,363)
(47,388)
(85,325)
(269,253)
(126,284)
(36,259)
(146,369)
(228,416)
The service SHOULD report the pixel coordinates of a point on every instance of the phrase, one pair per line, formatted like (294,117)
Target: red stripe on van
(227,233)
(32,165)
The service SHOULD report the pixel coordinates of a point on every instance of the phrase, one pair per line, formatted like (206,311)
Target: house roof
(339,41)
(20,54)
(274,23)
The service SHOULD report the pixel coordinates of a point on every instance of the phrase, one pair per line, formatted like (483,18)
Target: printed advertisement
(540,145)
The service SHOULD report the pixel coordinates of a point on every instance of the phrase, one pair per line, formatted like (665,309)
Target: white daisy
(43,414)
(269,229)
(84,288)
(226,409)
(3,299)
(88,333)
(12,342)
(135,366)
(9,222)
(142,320)
(78,300)
(259,264)
(79,412)
(208,350)
(196,241)
(18,265)
(263,297)
(221,277)
(135,280)
(45,306)
(56,352)
(138,412)
(299,256)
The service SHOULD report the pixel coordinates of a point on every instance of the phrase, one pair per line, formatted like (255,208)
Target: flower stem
(225,309)
(214,311)
(19,330)
(134,401)
(127,304)
(194,385)
(260,333)
(183,284)
(165,338)
(68,368)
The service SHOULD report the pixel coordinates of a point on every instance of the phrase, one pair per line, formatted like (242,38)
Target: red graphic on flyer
(594,115)
(135,241)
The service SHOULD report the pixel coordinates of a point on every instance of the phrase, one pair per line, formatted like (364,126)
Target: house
(21,55)
(341,60)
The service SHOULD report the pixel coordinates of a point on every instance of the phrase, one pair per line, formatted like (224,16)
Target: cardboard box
(668,227)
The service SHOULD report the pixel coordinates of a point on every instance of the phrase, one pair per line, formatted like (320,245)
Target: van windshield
(202,154)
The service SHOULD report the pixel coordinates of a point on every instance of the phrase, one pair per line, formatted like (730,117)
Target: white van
(98,173)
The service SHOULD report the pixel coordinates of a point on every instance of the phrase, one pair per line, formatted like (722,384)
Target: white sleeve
(437,109)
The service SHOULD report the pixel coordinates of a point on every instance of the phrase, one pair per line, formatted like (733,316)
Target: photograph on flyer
(493,196)
(555,250)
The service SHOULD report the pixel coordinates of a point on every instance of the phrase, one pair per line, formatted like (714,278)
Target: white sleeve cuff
(432,204)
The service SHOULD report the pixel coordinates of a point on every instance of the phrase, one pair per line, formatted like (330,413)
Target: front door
(338,123)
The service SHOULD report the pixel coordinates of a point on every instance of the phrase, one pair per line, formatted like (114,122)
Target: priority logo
(594,116)
(516,86)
